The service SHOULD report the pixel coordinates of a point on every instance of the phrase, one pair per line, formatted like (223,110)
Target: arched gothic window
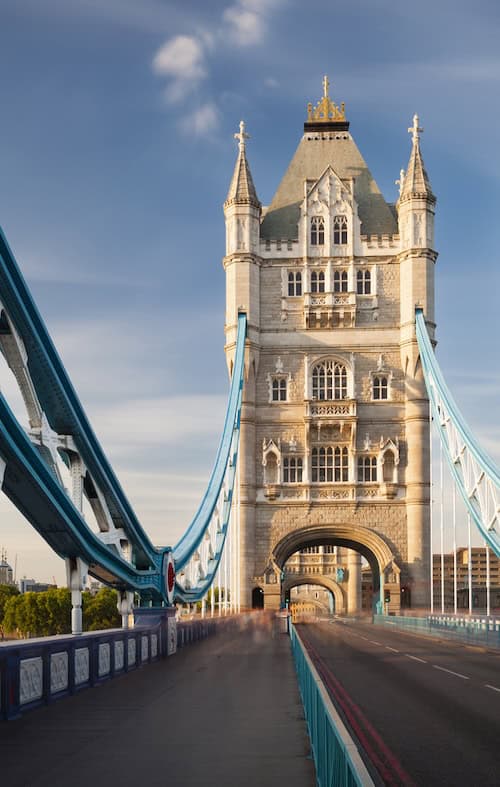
(340,281)
(364,282)
(279,389)
(318,281)
(292,470)
(294,283)
(340,230)
(317,231)
(380,387)
(329,380)
(330,465)
(367,468)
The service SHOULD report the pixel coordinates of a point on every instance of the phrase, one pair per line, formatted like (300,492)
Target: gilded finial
(242,136)
(415,130)
(325,110)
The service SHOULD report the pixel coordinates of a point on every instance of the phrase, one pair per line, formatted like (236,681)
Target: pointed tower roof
(327,143)
(416,181)
(242,189)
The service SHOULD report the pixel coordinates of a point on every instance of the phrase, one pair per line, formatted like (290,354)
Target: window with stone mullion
(330,465)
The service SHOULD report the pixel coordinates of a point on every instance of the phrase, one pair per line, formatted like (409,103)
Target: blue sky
(116,151)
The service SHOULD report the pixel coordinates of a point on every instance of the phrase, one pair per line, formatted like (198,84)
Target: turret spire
(415,181)
(242,189)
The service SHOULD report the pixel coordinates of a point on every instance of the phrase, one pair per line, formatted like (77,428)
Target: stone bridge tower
(335,420)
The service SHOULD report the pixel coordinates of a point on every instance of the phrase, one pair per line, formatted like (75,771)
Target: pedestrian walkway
(224,712)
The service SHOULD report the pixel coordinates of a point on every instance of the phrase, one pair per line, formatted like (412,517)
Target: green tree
(100,611)
(6,592)
(55,611)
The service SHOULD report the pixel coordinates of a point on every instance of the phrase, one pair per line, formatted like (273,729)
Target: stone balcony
(329,309)
(336,409)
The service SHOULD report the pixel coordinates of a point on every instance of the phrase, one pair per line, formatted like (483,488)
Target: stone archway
(290,582)
(368,543)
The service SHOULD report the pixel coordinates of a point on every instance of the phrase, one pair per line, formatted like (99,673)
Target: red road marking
(378,752)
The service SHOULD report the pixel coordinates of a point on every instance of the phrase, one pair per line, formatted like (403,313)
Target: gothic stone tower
(335,421)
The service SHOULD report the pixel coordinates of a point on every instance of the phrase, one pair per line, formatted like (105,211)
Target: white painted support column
(125,604)
(76,575)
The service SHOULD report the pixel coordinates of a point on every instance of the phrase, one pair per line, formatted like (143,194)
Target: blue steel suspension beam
(475,474)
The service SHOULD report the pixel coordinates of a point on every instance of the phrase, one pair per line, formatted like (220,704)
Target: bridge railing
(35,672)
(480,630)
(336,757)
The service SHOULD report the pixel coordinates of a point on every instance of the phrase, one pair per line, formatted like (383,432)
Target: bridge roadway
(428,711)
(222,712)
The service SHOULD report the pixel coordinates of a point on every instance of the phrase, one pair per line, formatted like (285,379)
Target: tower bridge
(335,416)
(323,471)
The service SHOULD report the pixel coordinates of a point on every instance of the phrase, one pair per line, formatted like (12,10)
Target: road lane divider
(450,672)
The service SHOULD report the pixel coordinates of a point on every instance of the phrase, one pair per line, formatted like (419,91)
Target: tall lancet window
(340,230)
(318,231)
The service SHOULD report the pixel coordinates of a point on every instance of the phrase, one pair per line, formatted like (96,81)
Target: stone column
(353,582)
(247,490)
(418,490)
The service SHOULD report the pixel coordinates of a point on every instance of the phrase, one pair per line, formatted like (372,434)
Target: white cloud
(203,120)
(271,82)
(244,27)
(182,59)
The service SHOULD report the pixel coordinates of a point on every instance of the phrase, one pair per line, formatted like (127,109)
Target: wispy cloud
(184,60)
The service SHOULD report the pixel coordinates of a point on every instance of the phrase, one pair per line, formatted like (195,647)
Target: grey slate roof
(310,160)
(241,188)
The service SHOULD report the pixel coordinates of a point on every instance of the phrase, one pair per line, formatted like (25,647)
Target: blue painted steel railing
(478,630)
(337,760)
(475,474)
(198,553)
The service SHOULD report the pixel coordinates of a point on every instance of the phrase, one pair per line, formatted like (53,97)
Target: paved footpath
(223,712)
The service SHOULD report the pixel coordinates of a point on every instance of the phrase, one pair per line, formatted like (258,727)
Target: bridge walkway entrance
(224,711)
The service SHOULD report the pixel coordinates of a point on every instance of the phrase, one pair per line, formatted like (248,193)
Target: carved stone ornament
(104,659)
(58,672)
(119,655)
(30,680)
(82,672)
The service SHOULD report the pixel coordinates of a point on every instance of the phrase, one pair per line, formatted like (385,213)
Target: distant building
(32,586)
(479,575)
(6,573)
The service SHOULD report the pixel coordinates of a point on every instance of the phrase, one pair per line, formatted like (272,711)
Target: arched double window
(340,281)
(380,387)
(364,282)
(318,281)
(317,231)
(329,380)
(340,230)
(367,468)
(294,283)
(330,465)
(279,389)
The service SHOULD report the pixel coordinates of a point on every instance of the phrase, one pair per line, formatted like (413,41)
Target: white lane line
(374,642)
(415,658)
(493,688)
(388,647)
(457,674)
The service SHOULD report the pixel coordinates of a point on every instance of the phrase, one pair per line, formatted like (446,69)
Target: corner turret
(242,207)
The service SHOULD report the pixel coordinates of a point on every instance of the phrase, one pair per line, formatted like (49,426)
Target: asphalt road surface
(425,711)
